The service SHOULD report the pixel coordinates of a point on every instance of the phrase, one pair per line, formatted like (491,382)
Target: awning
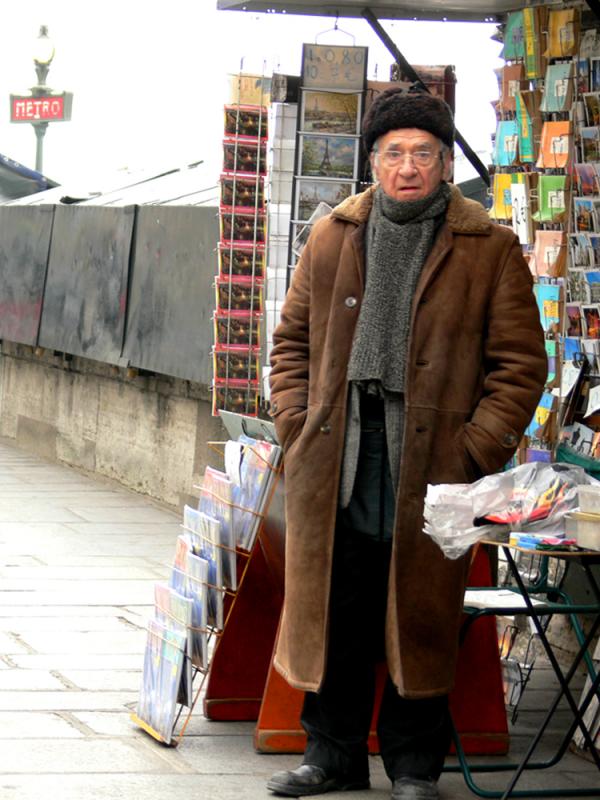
(456,10)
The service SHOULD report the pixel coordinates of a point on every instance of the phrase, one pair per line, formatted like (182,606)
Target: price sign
(333,67)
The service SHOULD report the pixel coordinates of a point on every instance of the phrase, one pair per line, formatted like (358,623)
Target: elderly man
(409,352)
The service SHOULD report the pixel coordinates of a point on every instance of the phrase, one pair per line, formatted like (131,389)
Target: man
(409,352)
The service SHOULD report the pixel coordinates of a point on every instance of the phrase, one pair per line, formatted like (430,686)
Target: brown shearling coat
(475,371)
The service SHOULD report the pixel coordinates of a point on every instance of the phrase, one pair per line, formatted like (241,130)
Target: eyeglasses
(420,158)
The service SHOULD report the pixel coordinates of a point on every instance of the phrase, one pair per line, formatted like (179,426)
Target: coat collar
(463,215)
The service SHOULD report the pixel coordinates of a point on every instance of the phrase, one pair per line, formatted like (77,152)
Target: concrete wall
(147,432)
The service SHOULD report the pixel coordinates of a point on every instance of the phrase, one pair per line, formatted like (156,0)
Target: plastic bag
(532,497)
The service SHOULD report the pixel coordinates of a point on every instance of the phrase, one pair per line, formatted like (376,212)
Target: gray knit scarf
(399,238)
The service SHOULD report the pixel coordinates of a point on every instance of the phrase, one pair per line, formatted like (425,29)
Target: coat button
(350,302)
(421,429)
(509,440)
(273,407)
(325,428)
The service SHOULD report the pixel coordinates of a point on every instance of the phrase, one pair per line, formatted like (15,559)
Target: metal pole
(40,132)
(470,154)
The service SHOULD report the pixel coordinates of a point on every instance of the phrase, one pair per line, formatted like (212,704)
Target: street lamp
(42,58)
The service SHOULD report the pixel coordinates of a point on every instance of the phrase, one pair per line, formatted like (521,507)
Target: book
(555,147)
(552,198)
(529,124)
(506,143)
(563,33)
(242,190)
(512,81)
(548,300)
(550,253)
(558,87)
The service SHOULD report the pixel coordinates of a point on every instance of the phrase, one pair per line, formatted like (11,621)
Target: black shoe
(309,779)
(407,788)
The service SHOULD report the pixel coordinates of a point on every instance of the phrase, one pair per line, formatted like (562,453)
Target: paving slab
(104,680)
(90,642)
(28,680)
(78,661)
(34,725)
(81,755)
(66,700)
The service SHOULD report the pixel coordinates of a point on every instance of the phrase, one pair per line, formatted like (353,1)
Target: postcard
(239,329)
(246,121)
(245,154)
(594,242)
(309,193)
(580,250)
(591,102)
(590,143)
(575,320)
(329,156)
(529,121)
(587,179)
(236,365)
(595,74)
(584,214)
(242,294)
(593,278)
(591,315)
(242,226)
(583,76)
(330,112)
(240,400)
(241,190)
(578,289)
(241,259)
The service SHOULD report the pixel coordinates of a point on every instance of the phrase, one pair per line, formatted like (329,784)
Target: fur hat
(398,108)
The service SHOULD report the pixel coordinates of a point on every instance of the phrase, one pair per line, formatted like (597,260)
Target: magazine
(257,473)
(206,531)
(174,611)
(161,676)
(197,583)
(189,577)
(216,501)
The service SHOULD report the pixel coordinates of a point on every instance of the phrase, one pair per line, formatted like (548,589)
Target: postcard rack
(216,549)
(239,284)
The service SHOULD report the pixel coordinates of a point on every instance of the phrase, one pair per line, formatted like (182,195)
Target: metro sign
(47,108)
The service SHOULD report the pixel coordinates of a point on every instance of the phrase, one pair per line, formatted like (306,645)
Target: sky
(149,77)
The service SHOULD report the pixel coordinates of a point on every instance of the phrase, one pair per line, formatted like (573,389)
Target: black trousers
(414,735)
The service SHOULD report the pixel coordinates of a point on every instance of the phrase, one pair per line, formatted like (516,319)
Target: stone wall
(147,432)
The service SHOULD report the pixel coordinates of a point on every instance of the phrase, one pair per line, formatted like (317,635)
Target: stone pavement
(78,561)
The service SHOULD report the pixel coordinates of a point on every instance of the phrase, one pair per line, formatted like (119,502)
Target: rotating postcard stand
(243,684)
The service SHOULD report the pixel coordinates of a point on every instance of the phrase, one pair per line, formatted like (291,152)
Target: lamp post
(42,58)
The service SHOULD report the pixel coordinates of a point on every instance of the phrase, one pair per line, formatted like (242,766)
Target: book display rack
(546,186)
(217,546)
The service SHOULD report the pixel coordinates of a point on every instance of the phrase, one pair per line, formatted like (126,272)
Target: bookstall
(284,165)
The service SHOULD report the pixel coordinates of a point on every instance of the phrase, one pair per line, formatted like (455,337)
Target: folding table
(527,603)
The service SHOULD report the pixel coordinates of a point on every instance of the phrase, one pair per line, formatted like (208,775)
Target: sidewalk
(78,561)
